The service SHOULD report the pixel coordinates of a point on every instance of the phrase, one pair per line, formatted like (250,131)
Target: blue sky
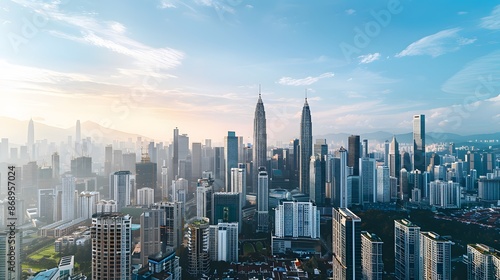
(149,66)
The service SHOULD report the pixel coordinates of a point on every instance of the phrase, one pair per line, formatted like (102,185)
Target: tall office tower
(372,264)
(146,176)
(346,244)
(297,219)
(117,161)
(354,154)
(406,249)
(295,147)
(197,244)
(344,172)
(305,148)
(121,185)
(404,185)
(153,152)
(474,161)
(183,147)
(386,152)
(56,166)
(444,194)
(196,161)
(145,196)
(320,148)
(394,158)
(204,191)
(4,149)
(259,140)
(317,180)
(488,161)
(175,156)
(219,168)
(150,234)
(262,200)
(231,159)
(419,142)
(365,154)
(108,160)
(406,161)
(368,180)
(165,184)
(10,269)
(111,235)
(239,182)
(334,167)
(46,205)
(128,162)
(383,184)
(171,224)
(224,242)
(31,140)
(226,208)
(78,133)
(68,197)
(434,257)
(483,262)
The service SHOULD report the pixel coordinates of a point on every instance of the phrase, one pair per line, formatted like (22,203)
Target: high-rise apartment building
(150,233)
(434,256)
(346,244)
(483,262)
(297,219)
(111,246)
(406,250)
(372,264)
(197,244)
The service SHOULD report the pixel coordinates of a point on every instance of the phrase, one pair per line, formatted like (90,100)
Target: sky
(149,66)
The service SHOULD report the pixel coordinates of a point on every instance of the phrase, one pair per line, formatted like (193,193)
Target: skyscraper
(262,200)
(171,224)
(372,264)
(434,256)
(196,161)
(121,185)
(483,262)
(317,179)
(394,158)
(224,242)
(383,184)
(55,166)
(346,244)
(306,146)
(406,250)
(226,208)
(146,176)
(175,156)
(111,235)
(68,197)
(419,142)
(31,139)
(108,160)
(259,140)
(231,153)
(354,154)
(344,172)
(78,134)
(239,182)
(368,180)
(150,236)
(197,244)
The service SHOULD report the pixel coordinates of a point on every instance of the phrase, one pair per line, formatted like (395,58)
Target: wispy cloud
(167,4)
(110,35)
(350,11)
(369,58)
(437,44)
(288,81)
(492,21)
(461,13)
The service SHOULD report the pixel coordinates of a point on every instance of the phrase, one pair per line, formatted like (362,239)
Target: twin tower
(260,143)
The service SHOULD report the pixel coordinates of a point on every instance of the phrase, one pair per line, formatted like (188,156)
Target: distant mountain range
(17,131)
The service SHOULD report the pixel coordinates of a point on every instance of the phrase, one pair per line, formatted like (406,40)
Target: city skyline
(59,58)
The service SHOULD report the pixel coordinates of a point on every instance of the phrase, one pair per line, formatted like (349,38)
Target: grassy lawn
(44,258)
